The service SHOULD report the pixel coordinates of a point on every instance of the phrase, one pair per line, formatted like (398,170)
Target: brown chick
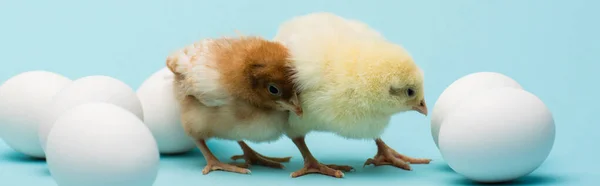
(234,89)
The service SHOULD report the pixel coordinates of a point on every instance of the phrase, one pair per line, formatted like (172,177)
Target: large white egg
(89,89)
(162,114)
(498,135)
(100,144)
(461,89)
(23,98)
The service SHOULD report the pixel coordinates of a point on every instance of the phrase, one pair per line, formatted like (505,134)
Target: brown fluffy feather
(223,87)
(246,66)
(261,62)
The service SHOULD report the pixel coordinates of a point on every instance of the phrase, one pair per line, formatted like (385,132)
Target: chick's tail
(172,65)
(180,61)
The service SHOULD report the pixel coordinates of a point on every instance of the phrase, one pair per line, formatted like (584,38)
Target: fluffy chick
(235,89)
(351,81)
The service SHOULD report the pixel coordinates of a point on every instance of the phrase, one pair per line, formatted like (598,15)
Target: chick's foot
(252,157)
(388,156)
(316,167)
(213,164)
(217,165)
(311,165)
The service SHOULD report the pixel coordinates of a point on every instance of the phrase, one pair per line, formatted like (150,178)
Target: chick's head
(393,82)
(264,77)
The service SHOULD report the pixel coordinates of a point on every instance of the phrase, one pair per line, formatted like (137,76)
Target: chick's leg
(388,156)
(311,165)
(254,158)
(212,163)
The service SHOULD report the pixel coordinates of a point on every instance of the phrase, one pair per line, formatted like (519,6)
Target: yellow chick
(350,82)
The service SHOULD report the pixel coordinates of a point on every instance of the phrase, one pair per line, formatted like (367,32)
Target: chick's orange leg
(252,157)
(213,164)
(311,165)
(388,156)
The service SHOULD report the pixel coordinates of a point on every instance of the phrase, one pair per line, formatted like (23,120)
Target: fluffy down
(197,64)
(213,111)
(345,71)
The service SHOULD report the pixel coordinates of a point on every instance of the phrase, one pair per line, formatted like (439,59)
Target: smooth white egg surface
(498,135)
(101,144)
(461,89)
(162,114)
(85,90)
(23,98)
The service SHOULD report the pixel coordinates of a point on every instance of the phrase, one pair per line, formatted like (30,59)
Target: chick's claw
(252,157)
(409,159)
(320,169)
(344,168)
(214,166)
(388,156)
(379,161)
(258,159)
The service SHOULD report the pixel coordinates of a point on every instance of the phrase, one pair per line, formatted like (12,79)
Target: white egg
(85,90)
(498,135)
(100,144)
(463,88)
(23,98)
(162,114)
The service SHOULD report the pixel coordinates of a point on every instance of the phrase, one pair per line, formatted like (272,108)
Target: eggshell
(23,98)
(498,135)
(162,114)
(462,89)
(89,89)
(100,144)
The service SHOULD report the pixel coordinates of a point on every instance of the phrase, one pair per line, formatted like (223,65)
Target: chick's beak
(293,105)
(298,110)
(295,102)
(421,108)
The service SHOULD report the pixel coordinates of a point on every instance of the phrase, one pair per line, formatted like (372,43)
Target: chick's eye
(410,92)
(274,90)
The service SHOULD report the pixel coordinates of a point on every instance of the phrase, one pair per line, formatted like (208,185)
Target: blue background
(550,47)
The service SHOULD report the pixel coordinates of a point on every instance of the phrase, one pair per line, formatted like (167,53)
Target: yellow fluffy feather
(345,70)
(351,80)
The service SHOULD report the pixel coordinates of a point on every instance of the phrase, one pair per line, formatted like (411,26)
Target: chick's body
(235,89)
(235,121)
(351,81)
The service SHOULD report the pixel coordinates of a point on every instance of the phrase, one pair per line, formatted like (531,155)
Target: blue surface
(550,47)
